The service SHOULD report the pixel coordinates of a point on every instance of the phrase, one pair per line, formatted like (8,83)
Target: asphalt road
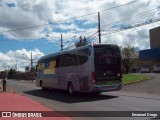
(151,86)
(142,96)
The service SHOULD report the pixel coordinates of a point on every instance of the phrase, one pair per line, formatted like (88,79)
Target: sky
(35,26)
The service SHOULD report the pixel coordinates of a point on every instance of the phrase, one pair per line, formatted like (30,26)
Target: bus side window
(40,66)
(67,60)
(74,58)
(83,56)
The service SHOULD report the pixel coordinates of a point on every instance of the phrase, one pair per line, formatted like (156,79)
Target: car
(156,68)
(145,69)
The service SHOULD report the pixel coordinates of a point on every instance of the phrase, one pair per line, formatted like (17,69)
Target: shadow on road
(64,97)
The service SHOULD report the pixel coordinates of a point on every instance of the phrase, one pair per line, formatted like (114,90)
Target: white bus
(93,68)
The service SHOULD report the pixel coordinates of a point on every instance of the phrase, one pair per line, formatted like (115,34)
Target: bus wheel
(70,88)
(40,84)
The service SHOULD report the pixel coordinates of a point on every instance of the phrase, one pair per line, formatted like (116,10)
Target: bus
(89,69)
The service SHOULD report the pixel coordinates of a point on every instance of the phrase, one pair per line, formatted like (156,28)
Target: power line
(92,34)
(69,47)
(18,29)
(134,23)
(147,26)
(119,6)
(55,42)
(126,20)
(88,37)
(137,15)
(71,39)
(135,26)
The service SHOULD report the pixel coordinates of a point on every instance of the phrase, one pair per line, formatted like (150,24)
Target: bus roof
(63,52)
(75,49)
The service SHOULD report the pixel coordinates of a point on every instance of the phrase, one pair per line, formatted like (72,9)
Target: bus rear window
(106,54)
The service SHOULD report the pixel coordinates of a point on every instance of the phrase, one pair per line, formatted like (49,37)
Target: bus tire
(40,84)
(43,88)
(70,88)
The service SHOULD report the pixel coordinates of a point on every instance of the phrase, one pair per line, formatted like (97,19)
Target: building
(155,38)
(151,56)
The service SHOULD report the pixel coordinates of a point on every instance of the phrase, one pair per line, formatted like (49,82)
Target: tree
(129,56)
(11,72)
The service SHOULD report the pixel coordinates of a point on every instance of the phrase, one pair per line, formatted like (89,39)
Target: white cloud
(4,57)
(67,27)
(21,58)
(24,15)
(28,13)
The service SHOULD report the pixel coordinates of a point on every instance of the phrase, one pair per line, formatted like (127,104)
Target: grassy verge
(128,78)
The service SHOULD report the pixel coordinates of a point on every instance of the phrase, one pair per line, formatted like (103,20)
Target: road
(151,86)
(133,97)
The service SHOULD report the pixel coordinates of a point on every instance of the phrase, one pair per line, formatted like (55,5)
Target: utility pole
(31,61)
(99,27)
(61,43)
(17,71)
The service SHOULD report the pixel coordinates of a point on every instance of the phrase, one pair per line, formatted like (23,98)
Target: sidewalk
(15,102)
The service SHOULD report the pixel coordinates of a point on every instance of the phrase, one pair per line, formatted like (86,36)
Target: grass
(128,78)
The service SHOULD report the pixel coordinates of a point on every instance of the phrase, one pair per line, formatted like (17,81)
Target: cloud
(4,57)
(21,57)
(28,13)
(25,14)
